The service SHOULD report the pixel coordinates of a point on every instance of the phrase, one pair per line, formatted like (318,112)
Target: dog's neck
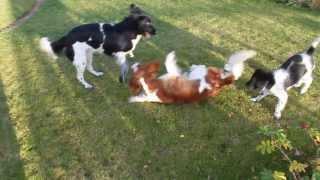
(128,26)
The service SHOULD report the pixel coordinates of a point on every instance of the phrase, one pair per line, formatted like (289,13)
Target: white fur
(83,56)
(134,67)
(171,64)
(134,44)
(82,61)
(196,72)
(235,63)
(146,96)
(120,57)
(278,89)
(45,46)
(199,72)
(316,42)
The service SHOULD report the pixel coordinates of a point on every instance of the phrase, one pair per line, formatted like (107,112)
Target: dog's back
(296,69)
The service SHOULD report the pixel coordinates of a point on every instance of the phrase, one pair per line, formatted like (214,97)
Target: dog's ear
(135,10)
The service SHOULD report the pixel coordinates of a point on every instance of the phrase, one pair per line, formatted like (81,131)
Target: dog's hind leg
(282,102)
(122,62)
(90,66)
(80,62)
(306,84)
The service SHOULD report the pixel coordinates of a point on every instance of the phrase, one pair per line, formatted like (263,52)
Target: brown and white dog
(199,83)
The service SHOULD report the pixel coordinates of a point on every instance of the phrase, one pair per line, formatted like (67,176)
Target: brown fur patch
(178,89)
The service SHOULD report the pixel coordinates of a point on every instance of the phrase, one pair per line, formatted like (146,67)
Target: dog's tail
(52,48)
(171,64)
(236,61)
(313,46)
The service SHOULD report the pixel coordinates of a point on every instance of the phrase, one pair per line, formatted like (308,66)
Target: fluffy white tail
(313,46)
(45,46)
(316,42)
(236,61)
(171,64)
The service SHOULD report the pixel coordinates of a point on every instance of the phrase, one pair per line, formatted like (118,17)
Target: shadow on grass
(75,133)
(11,165)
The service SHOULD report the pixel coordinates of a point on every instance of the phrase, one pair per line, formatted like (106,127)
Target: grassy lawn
(12,9)
(52,128)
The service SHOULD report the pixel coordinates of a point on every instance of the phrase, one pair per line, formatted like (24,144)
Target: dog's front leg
(140,98)
(131,54)
(262,95)
(122,62)
(145,86)
(149,96)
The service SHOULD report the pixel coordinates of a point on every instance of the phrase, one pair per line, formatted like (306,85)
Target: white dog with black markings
(295,72)
(116,40)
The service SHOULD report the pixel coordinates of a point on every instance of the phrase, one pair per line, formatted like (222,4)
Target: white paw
(141,80)
(131,55)
(132,100)
(277,115)
(53,56)
(99,73)
(202,88)
(253,99)
(88,86)
(303,91)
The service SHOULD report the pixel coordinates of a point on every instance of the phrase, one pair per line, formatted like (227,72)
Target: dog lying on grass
(198,84)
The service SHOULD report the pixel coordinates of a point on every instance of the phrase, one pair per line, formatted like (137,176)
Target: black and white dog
(117,40)
(295,72)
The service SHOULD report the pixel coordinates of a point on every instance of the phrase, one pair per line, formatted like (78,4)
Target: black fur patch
(261,79)
(311,50)
(295,68)
(118,37)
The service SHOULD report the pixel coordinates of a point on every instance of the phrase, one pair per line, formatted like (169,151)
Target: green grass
(13,9)
(52,128)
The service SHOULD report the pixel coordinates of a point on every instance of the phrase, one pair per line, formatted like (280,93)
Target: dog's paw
(303,90)
(131,55)
(88,86)
(99,74)
(141,80)
(132,99)
(122,79)
(277,115)
(253,99)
